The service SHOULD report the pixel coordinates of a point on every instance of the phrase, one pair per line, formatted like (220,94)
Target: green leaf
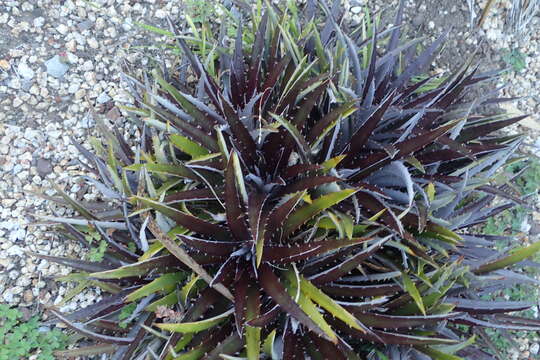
(189,147)
(136,269)
(190,285)
(347,222)
(381,355)
(516,256)
(436,354)
(327,303)
(410,287)
(253,342)
(268,345)
(332,162)
(196,326)
(240,184)
(313,312)
(165,283)
(154,29)
(452,349)
(445,233)
(168,300)
(300,216)
(183,342)
(417,164)
(166,169)
(253,334)
(430,190)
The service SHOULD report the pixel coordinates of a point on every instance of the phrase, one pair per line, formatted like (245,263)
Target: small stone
(72,89)
(80,94)
(34,90)
(39,22)
(62,29)
(87,66)
(356,10)
(85,25)
(44,167)
(103,98)
(431,25)
(8,202)
(92,42)
(90,77)
(55,67)
(161,14)
(534,348)
(17,102)
(4,64)
(71,45)
(28,296)
(111,31)
(100,24)
(25,71)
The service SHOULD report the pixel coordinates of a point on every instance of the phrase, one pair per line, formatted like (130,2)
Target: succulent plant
(304,191)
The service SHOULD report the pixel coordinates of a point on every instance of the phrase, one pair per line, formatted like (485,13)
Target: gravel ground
(59,68)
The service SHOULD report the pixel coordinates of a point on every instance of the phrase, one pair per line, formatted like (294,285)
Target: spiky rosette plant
(304,191)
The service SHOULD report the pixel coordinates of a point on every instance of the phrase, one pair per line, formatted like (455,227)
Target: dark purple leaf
(211,247)
(487,306)
(348,265)
(361,290)
(299,169)
(307,183)
(235,210)
(256,58)
(78,264)
(475,132)
(404,149)
(189,195)
(245,145)
(382,321)
(288,254)
(88,333)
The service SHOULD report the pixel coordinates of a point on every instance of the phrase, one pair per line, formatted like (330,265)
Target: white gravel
(59,62)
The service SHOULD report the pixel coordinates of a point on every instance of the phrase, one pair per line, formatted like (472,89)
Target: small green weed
(509,223)
(97,251)
(125,313)
(21,339)
(516,59)
(199,10)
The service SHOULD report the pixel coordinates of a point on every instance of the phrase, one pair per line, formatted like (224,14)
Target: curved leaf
(196,326)
(272,286)
(188,221)
(300,216)
(515,257)
(327,303)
